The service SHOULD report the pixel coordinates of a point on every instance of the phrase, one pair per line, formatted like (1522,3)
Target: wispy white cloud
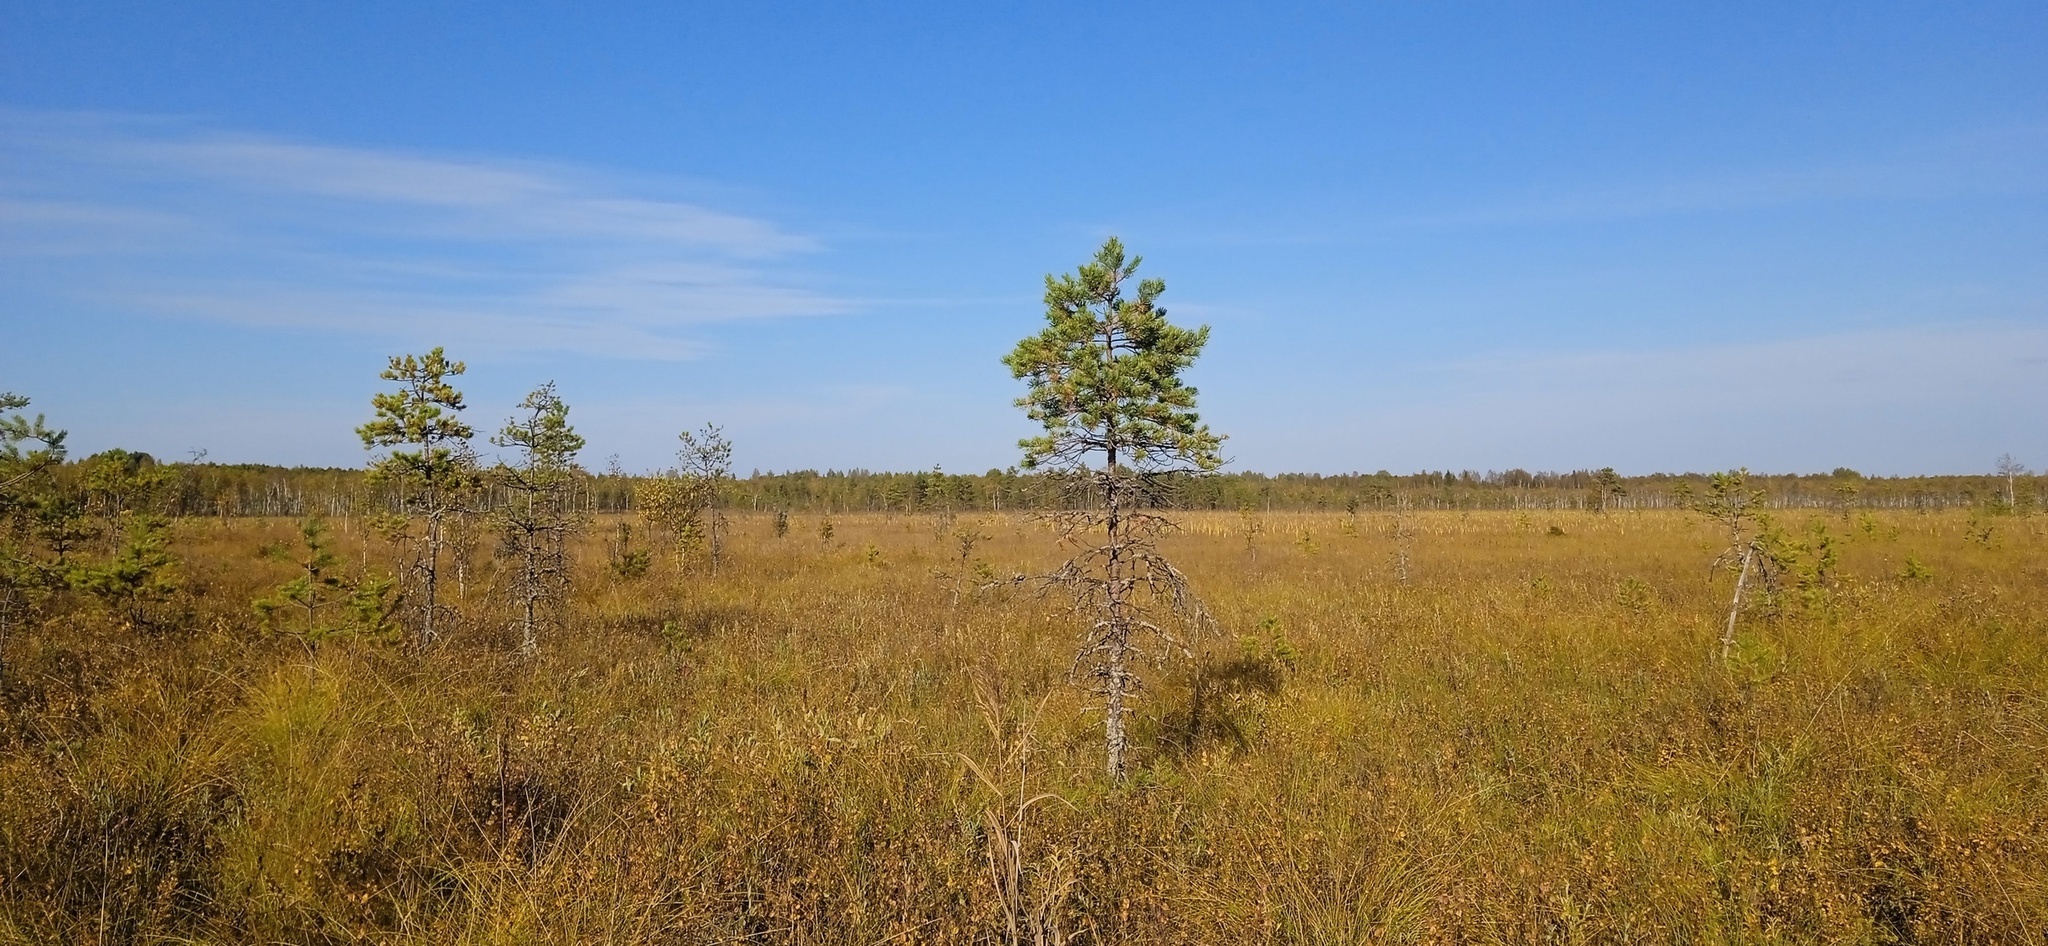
(1922,399)
(173,218)
(2007,161)
(1999,161)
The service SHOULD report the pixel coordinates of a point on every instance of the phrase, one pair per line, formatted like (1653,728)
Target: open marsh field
(1485,727)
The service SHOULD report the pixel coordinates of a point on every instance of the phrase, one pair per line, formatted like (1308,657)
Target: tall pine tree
(1104,379)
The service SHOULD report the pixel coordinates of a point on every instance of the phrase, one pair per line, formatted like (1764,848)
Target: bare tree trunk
(433,570)
(8,600)
(528,641)
(1115,738)
(463,543)
(1735,606)
(714,523)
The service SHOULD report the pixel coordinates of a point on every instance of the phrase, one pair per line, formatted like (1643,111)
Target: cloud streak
(1899,400)
(172,218)
(2001,162)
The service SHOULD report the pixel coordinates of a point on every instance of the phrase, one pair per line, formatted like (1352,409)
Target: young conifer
(421,415)
(539,513)
(29,452)
(705,461)
(1735,506)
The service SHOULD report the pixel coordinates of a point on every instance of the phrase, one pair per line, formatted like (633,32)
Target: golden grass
(1530,740)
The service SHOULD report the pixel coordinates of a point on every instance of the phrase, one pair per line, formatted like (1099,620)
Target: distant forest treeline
(209,489)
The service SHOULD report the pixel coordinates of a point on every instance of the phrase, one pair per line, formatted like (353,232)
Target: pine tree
(705,461)
(1753,545)
(29,451)
(316,587)
(320,586)
(538,515)
(18,466)
(1608,488)
(137,574)
(1104,379)
(421,415)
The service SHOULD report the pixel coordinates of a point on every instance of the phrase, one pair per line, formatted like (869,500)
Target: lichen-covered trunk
(1117,681)
(1115,738)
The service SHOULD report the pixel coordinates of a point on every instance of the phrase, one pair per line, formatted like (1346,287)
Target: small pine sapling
(1731,503)
(137,575)
(365,602)
(1250,525)
(627,562)
(965,568)
(318,586)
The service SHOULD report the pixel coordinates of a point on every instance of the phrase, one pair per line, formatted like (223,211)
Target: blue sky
(1652,236)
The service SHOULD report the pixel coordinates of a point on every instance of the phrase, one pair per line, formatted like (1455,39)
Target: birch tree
(1104,380)
(2011,470)
(421,415)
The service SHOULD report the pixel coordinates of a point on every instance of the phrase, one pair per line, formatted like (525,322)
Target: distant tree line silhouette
(236,490)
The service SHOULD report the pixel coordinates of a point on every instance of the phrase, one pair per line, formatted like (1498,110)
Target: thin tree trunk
(462,557)
(1115,737)
(433,571)
(1735,606)
(7,605)
(528,644)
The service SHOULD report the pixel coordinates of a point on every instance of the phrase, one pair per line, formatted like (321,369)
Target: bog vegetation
(463,701)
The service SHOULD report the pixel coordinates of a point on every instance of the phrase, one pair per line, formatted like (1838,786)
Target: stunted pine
(1104,379)
(705,462)
(29,451)
(429,477)
(1735,506)
(321,586)
(538,514)
(19,466)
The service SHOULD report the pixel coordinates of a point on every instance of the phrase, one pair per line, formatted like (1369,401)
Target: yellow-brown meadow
(1531,737)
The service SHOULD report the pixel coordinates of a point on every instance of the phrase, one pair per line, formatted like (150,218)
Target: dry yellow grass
(1531,739)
